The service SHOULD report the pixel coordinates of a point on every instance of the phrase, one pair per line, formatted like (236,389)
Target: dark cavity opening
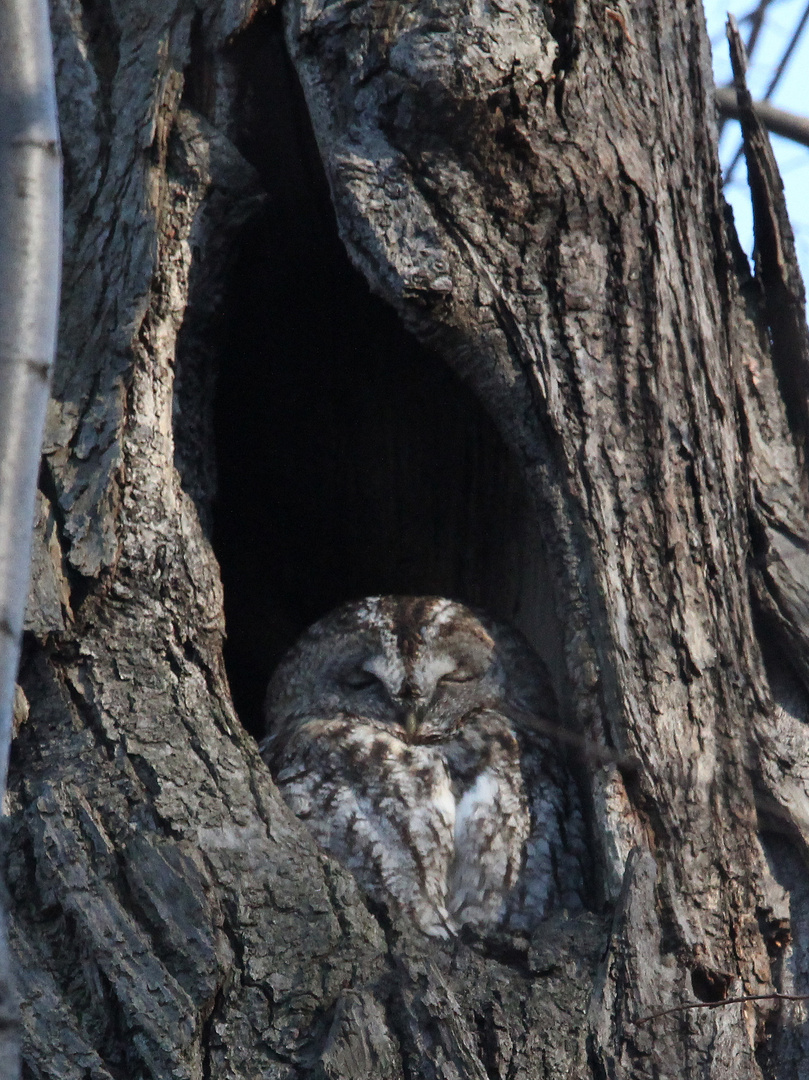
(351,461)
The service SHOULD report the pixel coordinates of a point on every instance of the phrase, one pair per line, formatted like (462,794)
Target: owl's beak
(411,722)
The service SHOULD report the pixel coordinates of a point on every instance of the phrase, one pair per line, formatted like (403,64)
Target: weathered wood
(537,195)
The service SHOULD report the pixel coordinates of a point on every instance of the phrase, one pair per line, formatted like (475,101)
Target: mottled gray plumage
(400,730)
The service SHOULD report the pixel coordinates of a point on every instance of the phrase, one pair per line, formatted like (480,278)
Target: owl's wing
(491,818)
(556,851)
(383,810)
(520,840)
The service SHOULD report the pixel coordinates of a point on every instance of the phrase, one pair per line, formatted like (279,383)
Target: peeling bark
(536,193)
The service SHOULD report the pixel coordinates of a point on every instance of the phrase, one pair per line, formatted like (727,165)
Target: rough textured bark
(535,192)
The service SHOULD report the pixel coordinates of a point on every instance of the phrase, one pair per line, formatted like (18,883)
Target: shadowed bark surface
(532,195)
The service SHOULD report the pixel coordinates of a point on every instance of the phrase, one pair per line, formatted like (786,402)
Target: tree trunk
(582,415)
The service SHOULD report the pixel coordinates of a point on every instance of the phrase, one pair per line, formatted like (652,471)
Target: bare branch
(787,56)
(756,20)
(30,255)
(779,121)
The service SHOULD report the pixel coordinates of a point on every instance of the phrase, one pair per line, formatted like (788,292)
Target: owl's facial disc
(419,682)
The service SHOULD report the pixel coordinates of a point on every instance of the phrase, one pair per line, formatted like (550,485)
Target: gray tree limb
(30,263)
(778,121)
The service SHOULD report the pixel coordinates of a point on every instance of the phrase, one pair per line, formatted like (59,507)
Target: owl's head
(416,667)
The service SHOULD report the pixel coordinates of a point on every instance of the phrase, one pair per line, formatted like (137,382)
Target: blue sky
(792,93)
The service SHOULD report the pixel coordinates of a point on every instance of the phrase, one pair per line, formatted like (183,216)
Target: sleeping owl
(399,729)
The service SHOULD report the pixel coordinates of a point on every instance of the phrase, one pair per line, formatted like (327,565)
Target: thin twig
(756,20)
(717,1004)
(793,41)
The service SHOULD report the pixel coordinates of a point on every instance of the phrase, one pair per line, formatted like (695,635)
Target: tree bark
(535,192)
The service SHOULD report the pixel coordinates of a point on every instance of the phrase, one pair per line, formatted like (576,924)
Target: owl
(399,729)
